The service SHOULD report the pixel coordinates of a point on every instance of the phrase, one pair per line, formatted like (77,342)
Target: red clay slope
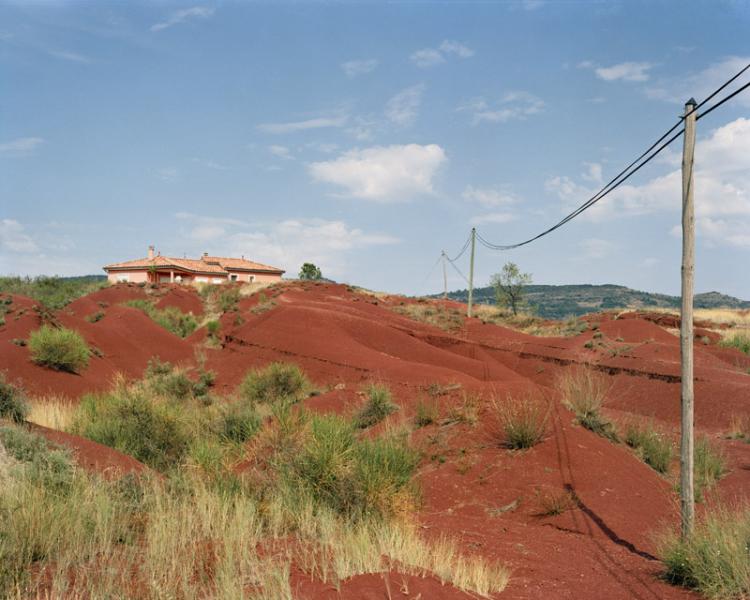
(474,490)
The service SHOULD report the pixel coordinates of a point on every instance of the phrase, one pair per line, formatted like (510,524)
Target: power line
(457,270)
(461,252)
(626,173)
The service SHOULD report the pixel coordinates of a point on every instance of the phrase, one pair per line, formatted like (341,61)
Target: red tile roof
(207,264)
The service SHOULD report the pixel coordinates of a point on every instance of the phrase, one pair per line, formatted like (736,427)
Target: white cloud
(71,56)
(167,174)
(427,57)
(430,57)
(700,84)
(495,217)
(722,188)
(211,164)
(13,237)
(383,173)
(286,244)
(280,152)
(352,68)
(294,126)
(457,48)
(513,106)
(626,71)
(488,197)
(180,16)
(20,147)
(402,108)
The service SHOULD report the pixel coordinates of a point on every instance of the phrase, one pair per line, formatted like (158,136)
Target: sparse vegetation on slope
(737,339)
(710,465)
(275,383)
(653,447)
(522,421)
(377,406)
(59,348)
(53,292)
(13,405)
(171,318)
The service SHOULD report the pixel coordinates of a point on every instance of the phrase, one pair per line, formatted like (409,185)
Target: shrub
(164,379)
(427,413)
(584,391)
(238,423)
(710,465)
(13,404)
(715,559)
(653,447)
(44,463)
(59,348)
(523,423)
(276,382)
(228,299)
(355,478)
(127,420)
(213,327)
(737,339)
(555,503)
(377,407)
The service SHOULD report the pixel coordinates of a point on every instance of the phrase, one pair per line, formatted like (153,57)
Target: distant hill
(559,301)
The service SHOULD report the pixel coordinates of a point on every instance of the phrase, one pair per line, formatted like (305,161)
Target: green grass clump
(238,422)
(738,339)
(278,382)
(44,463)
(130,421)
(59,348)
(710,465)
(13,404)
(53,292)
(653,447)
(584,391)
(377,407)
(163,379)
(170,318)
(354,477)
(427,412)
(715,560)
(523,423)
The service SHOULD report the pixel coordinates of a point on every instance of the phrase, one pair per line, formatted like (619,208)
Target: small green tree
(510,286)
(310,271)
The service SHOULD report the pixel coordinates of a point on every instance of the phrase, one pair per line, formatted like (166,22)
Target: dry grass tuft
(584,391)
(51,411)
(522,422)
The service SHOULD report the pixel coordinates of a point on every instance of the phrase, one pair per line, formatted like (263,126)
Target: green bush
(213,327)
(163,379)
(277,382)
(354,477)
(228,299)
(715,559)
(170,318)
(653,447)
(129,421)
(43,462)
(377,407)
(710,465)
(523,423)
(238,423)
(12,402)
(59,348)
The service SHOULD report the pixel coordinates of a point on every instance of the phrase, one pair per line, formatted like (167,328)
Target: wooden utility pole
(687,498)
(445,279)
(471,272)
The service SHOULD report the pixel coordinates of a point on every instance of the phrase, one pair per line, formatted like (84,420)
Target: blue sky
(367,137)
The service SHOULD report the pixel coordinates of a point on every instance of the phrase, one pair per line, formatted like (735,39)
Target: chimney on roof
(205,256)
(150,252)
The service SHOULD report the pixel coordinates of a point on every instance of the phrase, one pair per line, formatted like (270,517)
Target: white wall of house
(127,276)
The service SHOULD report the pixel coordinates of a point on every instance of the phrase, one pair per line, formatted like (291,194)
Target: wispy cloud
(167,173)
(699,84)
(180,16)
(488,197)
(430,57)
(383,173)
(352,68)
(20,147)
(494,217)
(294,126)
(403,107)
(626,71)
(70,56)
(13,237)
(280,152)
(211,164)
(286,244)
(512,106)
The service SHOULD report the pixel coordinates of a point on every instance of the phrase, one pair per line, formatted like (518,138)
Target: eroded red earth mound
(491,500)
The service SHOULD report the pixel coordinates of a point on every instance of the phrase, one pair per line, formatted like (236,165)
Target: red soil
(484,496)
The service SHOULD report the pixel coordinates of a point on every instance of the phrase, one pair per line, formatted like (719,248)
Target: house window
(201,279)
(251,278)
(233,277)
(218,279)
(124,278)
